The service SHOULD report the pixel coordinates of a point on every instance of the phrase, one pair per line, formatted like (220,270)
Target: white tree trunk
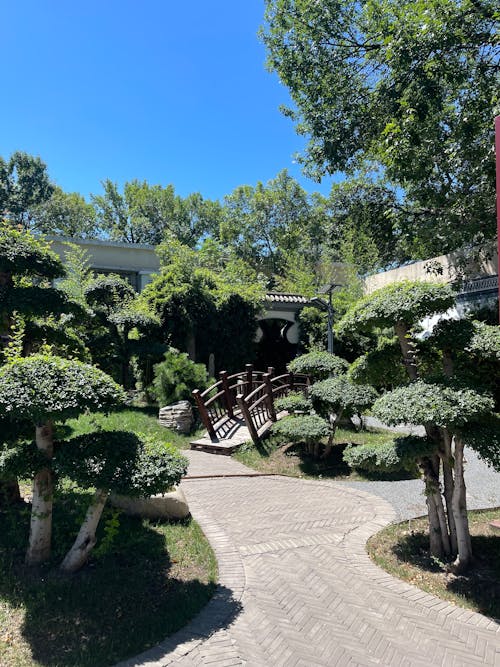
(41,509)
(85,541)
(449,485)
(459,503)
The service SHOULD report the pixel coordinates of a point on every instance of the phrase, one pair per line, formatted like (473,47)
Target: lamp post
(327,305)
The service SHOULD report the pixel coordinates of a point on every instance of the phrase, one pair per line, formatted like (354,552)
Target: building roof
(282,297)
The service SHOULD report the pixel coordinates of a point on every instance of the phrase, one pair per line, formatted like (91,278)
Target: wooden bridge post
(290,381)
(248,418)
(227,394)
(249,371)
(269,394)
(270,370)
(205,417)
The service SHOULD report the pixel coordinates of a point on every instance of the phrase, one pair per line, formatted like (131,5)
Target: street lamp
(327,305)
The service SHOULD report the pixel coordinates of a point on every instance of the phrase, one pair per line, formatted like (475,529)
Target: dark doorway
(274,348)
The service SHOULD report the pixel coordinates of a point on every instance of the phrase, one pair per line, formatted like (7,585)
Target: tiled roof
(281,297)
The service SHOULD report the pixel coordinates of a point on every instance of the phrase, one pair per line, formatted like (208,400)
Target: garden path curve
(297,587)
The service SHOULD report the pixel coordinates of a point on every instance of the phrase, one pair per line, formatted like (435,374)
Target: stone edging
(224,604)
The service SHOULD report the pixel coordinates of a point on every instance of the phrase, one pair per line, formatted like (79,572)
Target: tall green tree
(145,213)
(410,87)
(65,214)
(263,224)
(24,185)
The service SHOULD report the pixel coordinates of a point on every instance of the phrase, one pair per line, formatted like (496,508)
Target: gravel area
(407,497)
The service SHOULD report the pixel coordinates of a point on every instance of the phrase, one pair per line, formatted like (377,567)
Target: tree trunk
(85,541)
(41,509)
(407,350)
(449,485)
(438,527)
(459,503)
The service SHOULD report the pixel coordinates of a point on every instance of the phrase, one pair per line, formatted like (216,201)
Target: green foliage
(78,273)
(313,323)
(406,302)
(430,134)
(206,311)
(176,377)
(145,213)
(41,388)
(382,368)
(318,365)
(22,254)
(309,429)
(121,462)
(24,185)
(339,393)
(36,301)
(399,454)
(65,214)
(423,402)
(107,293)
(293,402)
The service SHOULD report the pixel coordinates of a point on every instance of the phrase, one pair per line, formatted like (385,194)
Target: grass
(271,457)
(145,582)
(402,550)
(137,420)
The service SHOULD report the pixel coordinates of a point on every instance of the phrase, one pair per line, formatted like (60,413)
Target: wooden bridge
(241,406)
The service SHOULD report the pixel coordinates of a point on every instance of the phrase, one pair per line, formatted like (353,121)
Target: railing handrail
(253,392)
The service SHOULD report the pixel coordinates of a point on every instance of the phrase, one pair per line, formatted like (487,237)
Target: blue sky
(152,89)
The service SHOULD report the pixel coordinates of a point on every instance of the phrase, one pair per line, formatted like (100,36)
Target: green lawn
(144,580)
(271,457)
(137,420)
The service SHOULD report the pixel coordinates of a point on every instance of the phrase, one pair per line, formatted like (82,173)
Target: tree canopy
(406,88)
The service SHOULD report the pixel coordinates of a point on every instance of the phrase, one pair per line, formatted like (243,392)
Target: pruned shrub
(294,402)
(341,395)
(318,365)
(306,429)
(393,456)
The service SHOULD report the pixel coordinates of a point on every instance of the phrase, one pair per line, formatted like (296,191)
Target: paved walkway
(297,587)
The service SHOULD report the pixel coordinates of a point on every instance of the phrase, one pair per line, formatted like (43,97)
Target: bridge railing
(218,404)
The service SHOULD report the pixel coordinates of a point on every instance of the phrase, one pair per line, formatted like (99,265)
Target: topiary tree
(42,390)
(318,365)
(27,269)
(393,456)
(119,330)
(436,406)
(338,397)
(449,410)
(307,429)
(176,377)
(119,462)
(294,402)
(31,310)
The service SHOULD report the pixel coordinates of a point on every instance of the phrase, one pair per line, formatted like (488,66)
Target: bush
(340,393)
(318,365)
(176,377)
(294,402)
(309,429)
(399,454)
(423,402)
(123,462)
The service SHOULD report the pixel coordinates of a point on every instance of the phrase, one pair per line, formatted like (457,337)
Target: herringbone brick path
(298,589)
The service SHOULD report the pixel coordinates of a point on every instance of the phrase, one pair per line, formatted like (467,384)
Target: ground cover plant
(402,550)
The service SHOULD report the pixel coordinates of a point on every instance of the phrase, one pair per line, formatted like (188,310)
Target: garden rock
(177,416)
(172,505)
